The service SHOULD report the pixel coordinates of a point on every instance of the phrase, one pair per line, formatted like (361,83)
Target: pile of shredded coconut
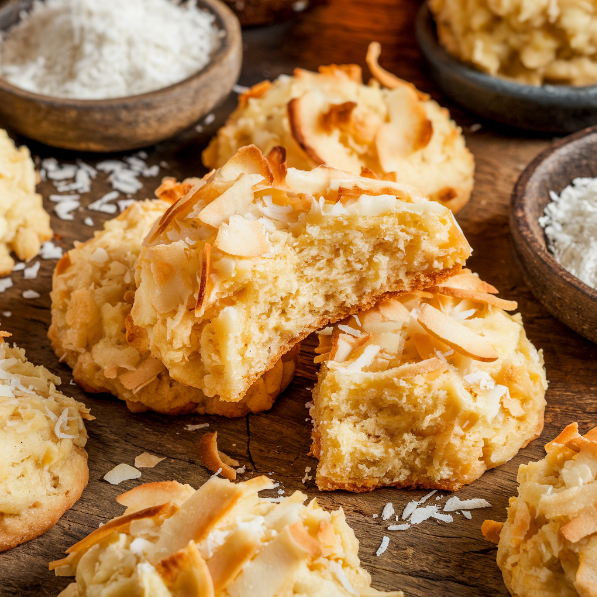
(570,224)
(87,49)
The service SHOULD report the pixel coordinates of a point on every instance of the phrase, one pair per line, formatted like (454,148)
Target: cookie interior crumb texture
(254,258)
(92,296)
(404,401)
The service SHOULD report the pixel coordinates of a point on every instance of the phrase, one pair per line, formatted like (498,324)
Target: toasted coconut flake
(586,578)
(120,524)
(147,370)
(171,191)
(149,494)
(186,573)
(469,281)
(568,433)
(300,113)
(4,335)
(277,161)
(393,310)
(209,454)
(457,336)
(368,173)
(491,530)
(383,76)
(352,71)
(408,130)
(582,444)
(582,526)
(235,200)
(62,265)
(420,368)
(120,473)
(247,160)
(231,557)
(479,297)
(227,460)
(570,502)
(147,460)
(196,517)
(337,116)
(205,282)
(242,238)
(68,561)
(256,91)
(307,543)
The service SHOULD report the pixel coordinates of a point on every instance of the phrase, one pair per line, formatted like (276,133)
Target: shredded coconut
(195,427)
(30,273)
(31,294)
(455,503)
(5,284)
(399,527)
(388,510)
(570,224)
(50,251)
(87,49)
(384,545)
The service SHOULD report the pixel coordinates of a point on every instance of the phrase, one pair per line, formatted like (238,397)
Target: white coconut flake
(50,251)
(365,359)
(124,203)
(64,208)
(467,514)
(307,476)
(100,255)
(7,313)
(120,473)
(5,284)
(409,509)
(338,572)
(19,267)
(31,294)
(30,273)
(326,331)
(195,427)
(102,203)
(239,89)
(388,510)
(88,221)
(463,315)
(455,503)
(399,527)
(384,545)
(62,420)
(426,497)
(241,470)
(443,517)
(422,514)
(209,119)
(348,330)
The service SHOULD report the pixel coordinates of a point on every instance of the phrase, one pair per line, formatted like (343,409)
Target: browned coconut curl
(214,460)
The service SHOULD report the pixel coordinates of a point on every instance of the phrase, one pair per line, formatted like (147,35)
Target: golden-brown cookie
(427,390)
(222,540)
(254,258)
(43,464)
(548,545)
(93,291)
(24,224)
(331,118)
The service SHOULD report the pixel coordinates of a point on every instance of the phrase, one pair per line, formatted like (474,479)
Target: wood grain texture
(124,123)
(430,559)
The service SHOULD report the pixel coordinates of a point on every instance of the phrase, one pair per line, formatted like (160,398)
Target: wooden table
(430,559)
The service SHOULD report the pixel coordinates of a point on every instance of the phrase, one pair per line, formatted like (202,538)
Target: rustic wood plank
(433,558)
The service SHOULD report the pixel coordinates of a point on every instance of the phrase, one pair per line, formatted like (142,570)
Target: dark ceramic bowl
(565,296)
(549,108)
(123,123)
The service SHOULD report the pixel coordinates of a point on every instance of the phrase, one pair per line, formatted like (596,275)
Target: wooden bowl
(565,296)
(124,123)
(546,108)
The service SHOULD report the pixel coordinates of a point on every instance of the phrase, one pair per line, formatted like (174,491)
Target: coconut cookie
(222,540)
(24,224)
(429,390)
(254,258)
(92,296)
(548,545)
(43,466)
(387,127)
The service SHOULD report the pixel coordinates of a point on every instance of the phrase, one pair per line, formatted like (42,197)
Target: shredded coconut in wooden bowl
(570,224)
(87,49)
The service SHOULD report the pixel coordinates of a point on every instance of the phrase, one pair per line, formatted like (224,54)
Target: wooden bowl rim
(550,94)
(228,23)
(519,213)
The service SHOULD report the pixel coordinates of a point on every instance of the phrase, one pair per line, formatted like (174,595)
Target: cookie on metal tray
(92,296)
(222,540)
(548,544)
(387,128)
(43,464)
(257,256)
(429,389)
(24,224)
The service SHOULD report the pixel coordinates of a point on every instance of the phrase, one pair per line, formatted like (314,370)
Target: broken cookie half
(222,540)
(92,295)
(386,129)
(428,390)
(256,256)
